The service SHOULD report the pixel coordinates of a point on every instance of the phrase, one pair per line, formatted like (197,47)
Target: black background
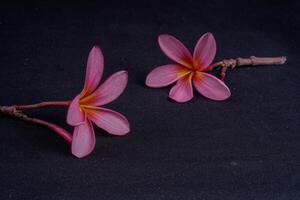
(244,148)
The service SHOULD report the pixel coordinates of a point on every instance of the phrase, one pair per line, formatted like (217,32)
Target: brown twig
(232,63)
(14,112)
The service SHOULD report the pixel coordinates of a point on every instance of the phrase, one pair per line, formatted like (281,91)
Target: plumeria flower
(85,107)
(188,69)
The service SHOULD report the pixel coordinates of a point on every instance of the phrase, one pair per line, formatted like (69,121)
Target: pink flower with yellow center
(188,70)
(85,107)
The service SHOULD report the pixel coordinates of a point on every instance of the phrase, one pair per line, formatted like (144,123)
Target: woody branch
(252,61)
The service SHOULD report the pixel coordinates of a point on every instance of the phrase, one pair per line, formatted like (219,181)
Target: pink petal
(175,50)
(111,89)
(165,75)
(205,51)
(183,90)
(75,115)
(109,120)
(83,141)
(94,70)
(210,86)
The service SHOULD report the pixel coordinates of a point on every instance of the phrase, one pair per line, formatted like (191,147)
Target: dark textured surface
(244,148)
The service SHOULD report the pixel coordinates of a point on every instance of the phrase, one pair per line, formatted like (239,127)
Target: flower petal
(111,89)
(205,51)
(94,71)
(84,140)
(211,87)
(183,90)
(109,120)
(175,50)
(165,75)
(75,115)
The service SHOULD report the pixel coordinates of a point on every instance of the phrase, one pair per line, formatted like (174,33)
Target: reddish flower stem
(14,112)
(42,104)
(252,61)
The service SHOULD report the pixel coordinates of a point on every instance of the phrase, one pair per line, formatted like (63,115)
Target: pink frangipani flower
(188,69)
(84,108)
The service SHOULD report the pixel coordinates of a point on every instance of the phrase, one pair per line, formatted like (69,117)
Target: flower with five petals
(189,69)
(85,107)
